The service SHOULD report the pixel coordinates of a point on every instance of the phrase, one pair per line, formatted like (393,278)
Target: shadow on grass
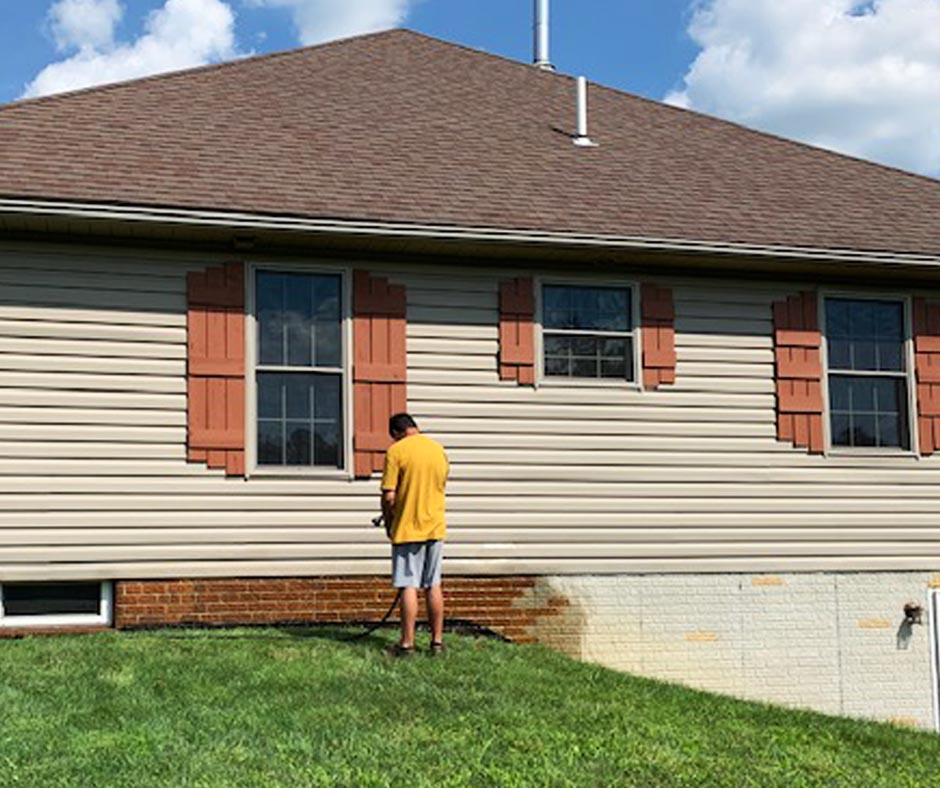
(356,632)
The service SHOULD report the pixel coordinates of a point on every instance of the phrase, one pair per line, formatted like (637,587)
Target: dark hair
(399,424)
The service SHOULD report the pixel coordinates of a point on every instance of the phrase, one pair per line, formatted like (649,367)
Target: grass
(300,708)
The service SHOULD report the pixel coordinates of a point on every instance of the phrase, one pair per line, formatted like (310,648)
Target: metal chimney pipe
(541,35)
(581,136)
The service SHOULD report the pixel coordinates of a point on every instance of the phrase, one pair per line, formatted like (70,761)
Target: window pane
(586,308)
(840,393)
(889,431)
(889,357)
(298,443)
(588,357)
(556,299)
(868,411)
(327,448)
(270,396)
(841,429)
(837,319)
(863,355)
(299,320)
(862,394)
(862,318)
(270,294)
(628,360)
(840,354)
(297,395)
(328,348)
(889,320)
(557,367)
(557,346)
(584,368)
(298,316)
(44,599)
(863,430)
(270,442)
(303,419)
(584,346)
(886,395)
(326,400)
(326,298)
(865,335)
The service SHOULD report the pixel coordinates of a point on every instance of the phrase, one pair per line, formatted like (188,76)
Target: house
(689,378)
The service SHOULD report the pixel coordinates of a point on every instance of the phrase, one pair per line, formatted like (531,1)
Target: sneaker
(436,649)
(398,650)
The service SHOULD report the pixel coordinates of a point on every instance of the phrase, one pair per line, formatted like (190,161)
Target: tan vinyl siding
(570,479)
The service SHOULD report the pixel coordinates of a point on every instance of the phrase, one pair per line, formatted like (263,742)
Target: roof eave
(248,222)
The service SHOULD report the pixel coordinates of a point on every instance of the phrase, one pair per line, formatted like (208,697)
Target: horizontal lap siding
(94,483)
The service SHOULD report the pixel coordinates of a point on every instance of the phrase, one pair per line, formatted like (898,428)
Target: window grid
(558,356)
(877,425)
(310,421)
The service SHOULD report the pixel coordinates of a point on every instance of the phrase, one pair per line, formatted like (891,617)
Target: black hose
(377,625)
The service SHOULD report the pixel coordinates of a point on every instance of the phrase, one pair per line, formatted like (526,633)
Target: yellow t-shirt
(416,467)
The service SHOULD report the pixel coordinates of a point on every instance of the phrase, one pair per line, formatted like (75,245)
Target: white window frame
(635,333)
(906,300)
(252,468)
(103,618)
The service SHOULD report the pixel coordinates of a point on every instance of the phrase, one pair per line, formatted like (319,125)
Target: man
(413,483)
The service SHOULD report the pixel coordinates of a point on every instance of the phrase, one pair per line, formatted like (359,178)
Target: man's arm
(388,510)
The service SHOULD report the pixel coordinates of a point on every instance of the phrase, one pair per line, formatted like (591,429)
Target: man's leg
(409,615)
(435,601)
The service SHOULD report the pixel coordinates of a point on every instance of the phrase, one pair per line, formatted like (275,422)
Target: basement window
(55,604)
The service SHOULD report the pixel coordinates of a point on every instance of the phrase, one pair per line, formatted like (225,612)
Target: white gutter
(367,229)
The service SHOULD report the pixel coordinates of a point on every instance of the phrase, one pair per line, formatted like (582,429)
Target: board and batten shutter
(658,335)
(927,369)
(798,370)
(379,367)
(215,385)
(517,330)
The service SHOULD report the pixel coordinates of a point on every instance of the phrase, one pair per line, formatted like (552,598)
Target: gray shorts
(417,564)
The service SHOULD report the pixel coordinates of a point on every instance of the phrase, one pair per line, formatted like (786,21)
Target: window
(868,375)
(587,332)
(51,604)
(299,372)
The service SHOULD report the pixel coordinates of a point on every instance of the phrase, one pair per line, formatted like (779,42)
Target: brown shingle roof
(401,127)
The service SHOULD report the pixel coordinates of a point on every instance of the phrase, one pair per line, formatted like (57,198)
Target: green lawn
(298,708)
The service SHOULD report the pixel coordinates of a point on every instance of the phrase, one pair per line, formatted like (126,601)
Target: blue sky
(642,47)
(856,76)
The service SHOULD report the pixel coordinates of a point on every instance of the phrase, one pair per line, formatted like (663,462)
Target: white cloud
(857,76)
(84,23)
(180,34)
(324,20)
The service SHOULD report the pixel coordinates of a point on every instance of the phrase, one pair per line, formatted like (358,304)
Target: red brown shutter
(927,367)
(797,343)
(215,327)
(379,367)
(658,334)
(517,331)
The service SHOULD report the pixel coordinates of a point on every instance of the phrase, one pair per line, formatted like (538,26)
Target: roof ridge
(237,61)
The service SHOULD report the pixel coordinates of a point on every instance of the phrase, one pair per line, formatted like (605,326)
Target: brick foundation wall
(513,607)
